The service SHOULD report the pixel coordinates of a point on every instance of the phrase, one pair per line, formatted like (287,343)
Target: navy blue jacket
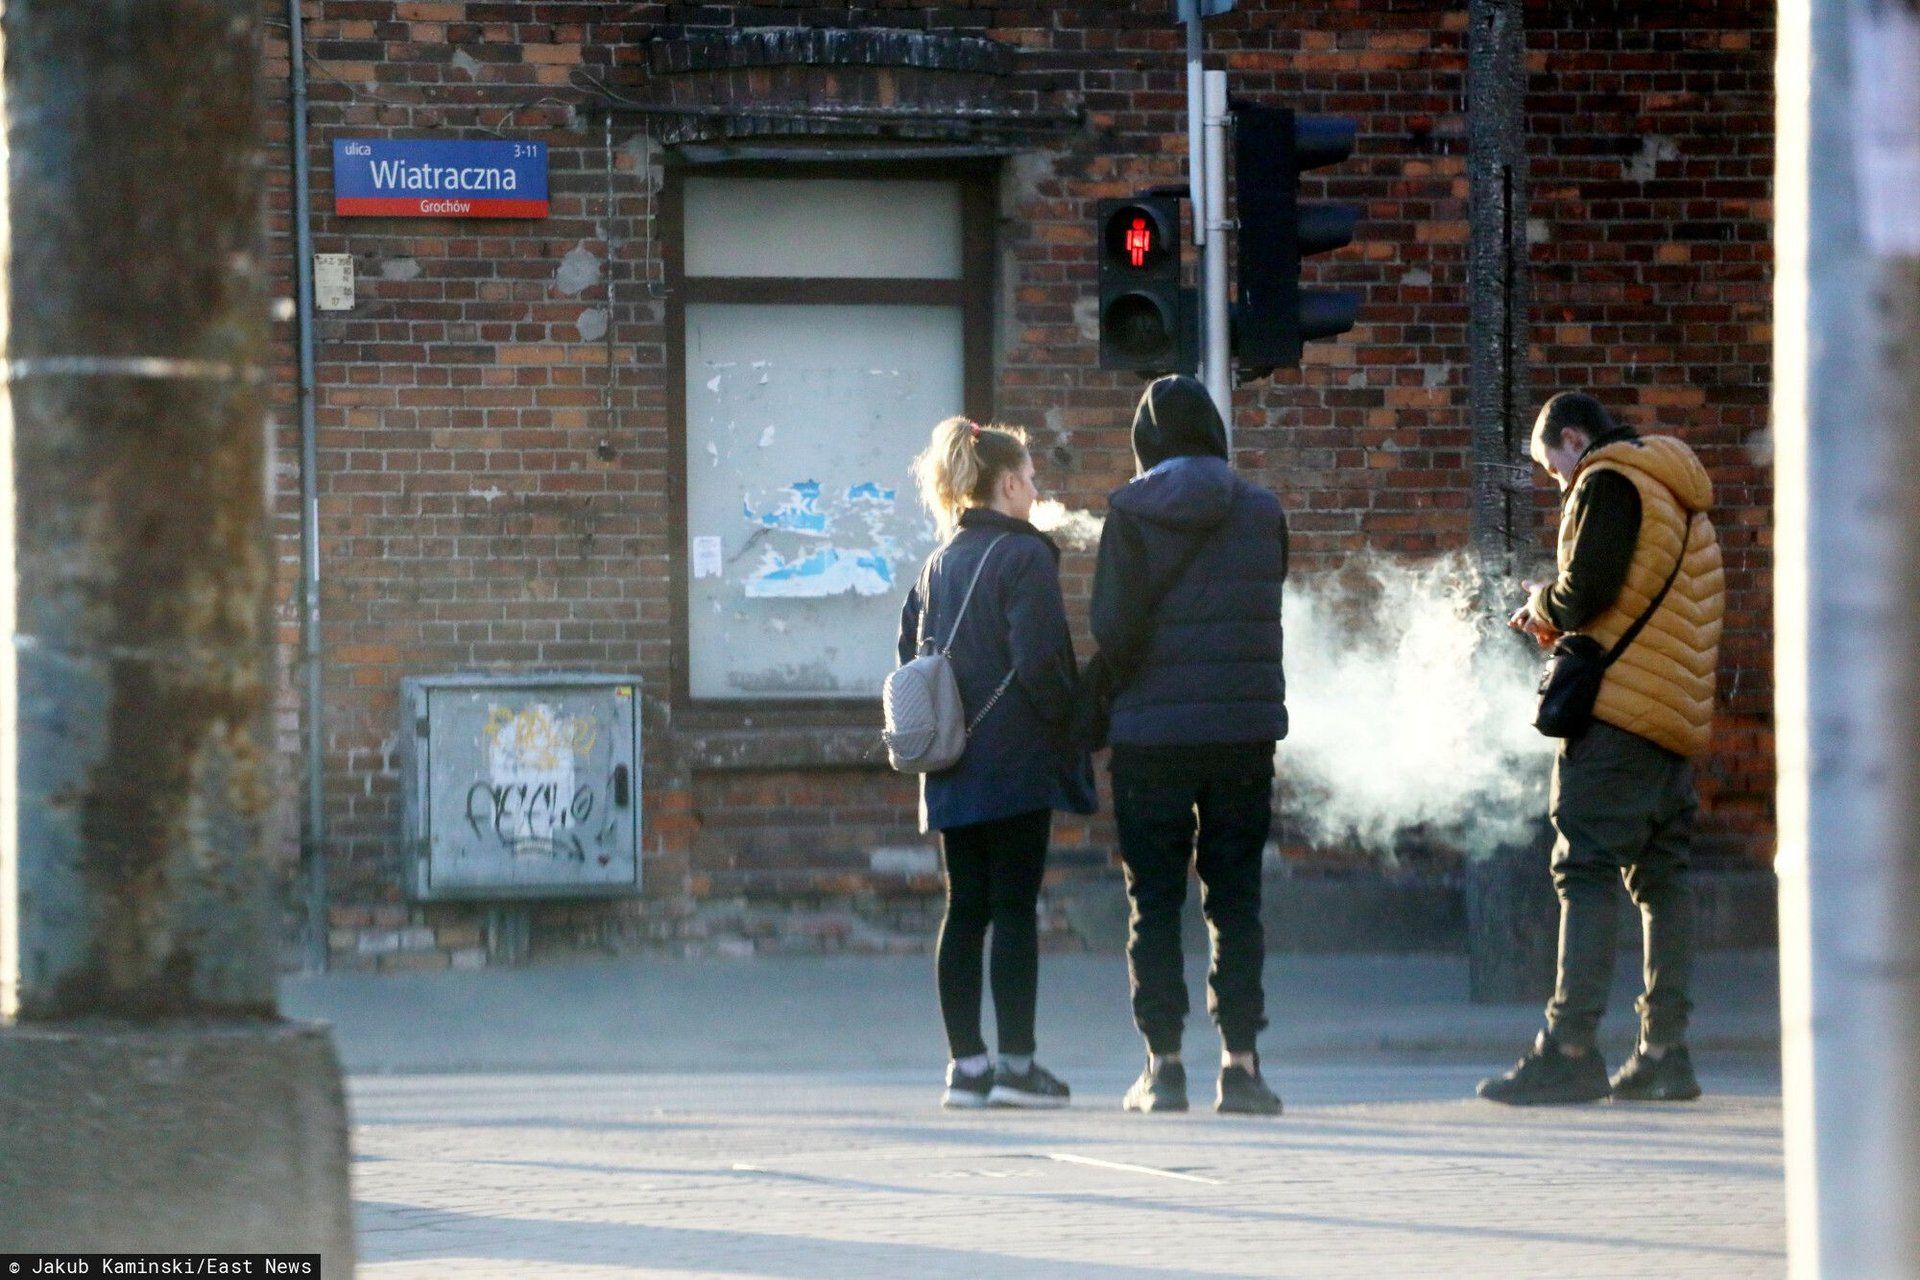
(1018,759)
(1205,667)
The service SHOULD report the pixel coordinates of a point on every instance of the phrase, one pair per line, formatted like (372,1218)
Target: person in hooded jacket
(1186,610)
(1623,802)
(1012,657)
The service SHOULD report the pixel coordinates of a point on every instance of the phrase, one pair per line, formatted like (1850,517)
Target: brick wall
(494,477)
(1652,166)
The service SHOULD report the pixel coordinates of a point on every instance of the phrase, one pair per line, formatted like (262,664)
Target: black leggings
(993,878)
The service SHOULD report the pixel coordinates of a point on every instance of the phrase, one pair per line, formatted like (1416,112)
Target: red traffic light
(1136,237)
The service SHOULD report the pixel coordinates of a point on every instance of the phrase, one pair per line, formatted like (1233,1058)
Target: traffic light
(1147,321)
(1275,316)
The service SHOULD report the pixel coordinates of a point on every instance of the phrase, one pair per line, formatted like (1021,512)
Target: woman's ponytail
(961,464)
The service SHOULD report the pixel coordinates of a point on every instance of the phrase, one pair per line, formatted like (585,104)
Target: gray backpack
(926,725)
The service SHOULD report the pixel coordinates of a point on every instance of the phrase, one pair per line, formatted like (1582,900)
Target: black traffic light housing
(1275,317)
(1148,322)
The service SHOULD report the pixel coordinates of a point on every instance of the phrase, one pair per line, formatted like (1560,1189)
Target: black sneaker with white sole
(966,1090)
(1035,1087)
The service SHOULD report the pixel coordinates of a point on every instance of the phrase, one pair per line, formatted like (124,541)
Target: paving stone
(1379,1168)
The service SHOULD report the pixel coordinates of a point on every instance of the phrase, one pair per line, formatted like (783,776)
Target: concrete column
(152,1099)
(1847,653)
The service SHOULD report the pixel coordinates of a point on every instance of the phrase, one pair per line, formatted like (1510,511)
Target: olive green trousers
(1623,809)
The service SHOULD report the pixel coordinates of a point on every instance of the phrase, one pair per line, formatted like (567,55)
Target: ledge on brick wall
(825,747)
(808,46)
(715,85)
(1371,912)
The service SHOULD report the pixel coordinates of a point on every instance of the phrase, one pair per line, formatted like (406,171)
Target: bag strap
(1187,557)
(967,599)
(1627,637)
(982,713)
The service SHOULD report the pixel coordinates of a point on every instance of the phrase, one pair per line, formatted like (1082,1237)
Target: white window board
(822,227)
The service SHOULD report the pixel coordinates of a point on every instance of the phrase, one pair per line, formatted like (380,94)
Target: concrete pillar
(1846,652)
(153,1100)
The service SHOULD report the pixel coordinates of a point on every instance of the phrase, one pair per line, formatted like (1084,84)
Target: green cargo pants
(1623,809)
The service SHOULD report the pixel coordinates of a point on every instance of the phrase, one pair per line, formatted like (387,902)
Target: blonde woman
(1013,657)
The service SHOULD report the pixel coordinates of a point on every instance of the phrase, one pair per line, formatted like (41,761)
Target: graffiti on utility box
(533,802)
(529,788)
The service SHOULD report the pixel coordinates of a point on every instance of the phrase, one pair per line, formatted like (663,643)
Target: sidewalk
(878,1013)
(777,1118)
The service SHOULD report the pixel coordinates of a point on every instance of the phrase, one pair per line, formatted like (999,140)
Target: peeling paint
(1086,318)
(1654,148)
(579,270)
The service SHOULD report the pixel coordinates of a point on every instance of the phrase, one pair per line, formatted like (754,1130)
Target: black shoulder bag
(1570,682)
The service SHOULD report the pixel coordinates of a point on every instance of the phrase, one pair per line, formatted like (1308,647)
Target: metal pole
(135,293)
(313,709)
(9,707)
(1215,334)
(1196,147)
(1846,652)
(1497,281)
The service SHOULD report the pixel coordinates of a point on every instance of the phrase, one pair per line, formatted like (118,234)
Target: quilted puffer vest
(1661,688)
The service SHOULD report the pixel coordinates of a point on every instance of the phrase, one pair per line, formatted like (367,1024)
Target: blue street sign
(439,178)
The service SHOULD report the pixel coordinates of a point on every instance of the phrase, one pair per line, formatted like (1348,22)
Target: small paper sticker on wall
(706,557)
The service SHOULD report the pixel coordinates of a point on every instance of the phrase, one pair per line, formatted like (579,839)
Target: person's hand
(1524,621)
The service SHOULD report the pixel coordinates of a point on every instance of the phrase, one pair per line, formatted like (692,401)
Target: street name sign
(439,178)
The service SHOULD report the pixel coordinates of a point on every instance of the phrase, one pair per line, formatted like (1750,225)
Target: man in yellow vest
(1623,803)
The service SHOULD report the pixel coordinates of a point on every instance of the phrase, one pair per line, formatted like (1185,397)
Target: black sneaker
(1245,1093)
(1162,1090)
(1668,1078)
(1547,1075)
(1035,1087)
(964,1090)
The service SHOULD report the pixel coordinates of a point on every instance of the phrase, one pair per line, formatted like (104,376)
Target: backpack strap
(967,599)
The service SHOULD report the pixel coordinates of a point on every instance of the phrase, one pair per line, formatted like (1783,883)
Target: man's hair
(1575,410)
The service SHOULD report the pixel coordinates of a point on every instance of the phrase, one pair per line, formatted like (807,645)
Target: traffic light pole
(1216,336)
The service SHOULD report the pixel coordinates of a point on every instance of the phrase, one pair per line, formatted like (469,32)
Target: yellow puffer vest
(1661,687)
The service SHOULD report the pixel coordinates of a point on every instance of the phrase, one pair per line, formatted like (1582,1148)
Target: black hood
(1176,418)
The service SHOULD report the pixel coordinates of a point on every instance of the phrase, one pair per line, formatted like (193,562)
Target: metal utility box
(521,786)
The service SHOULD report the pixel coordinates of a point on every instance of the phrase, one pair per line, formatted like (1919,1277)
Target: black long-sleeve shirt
(1605,517)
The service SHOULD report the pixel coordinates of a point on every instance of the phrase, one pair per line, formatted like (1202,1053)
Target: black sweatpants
(993,878)
(1219,828)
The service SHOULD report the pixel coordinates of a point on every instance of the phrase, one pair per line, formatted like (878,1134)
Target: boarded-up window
(825,330)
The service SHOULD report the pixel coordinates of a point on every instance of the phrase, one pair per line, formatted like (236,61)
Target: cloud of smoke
(1078,529)
(1410,710)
